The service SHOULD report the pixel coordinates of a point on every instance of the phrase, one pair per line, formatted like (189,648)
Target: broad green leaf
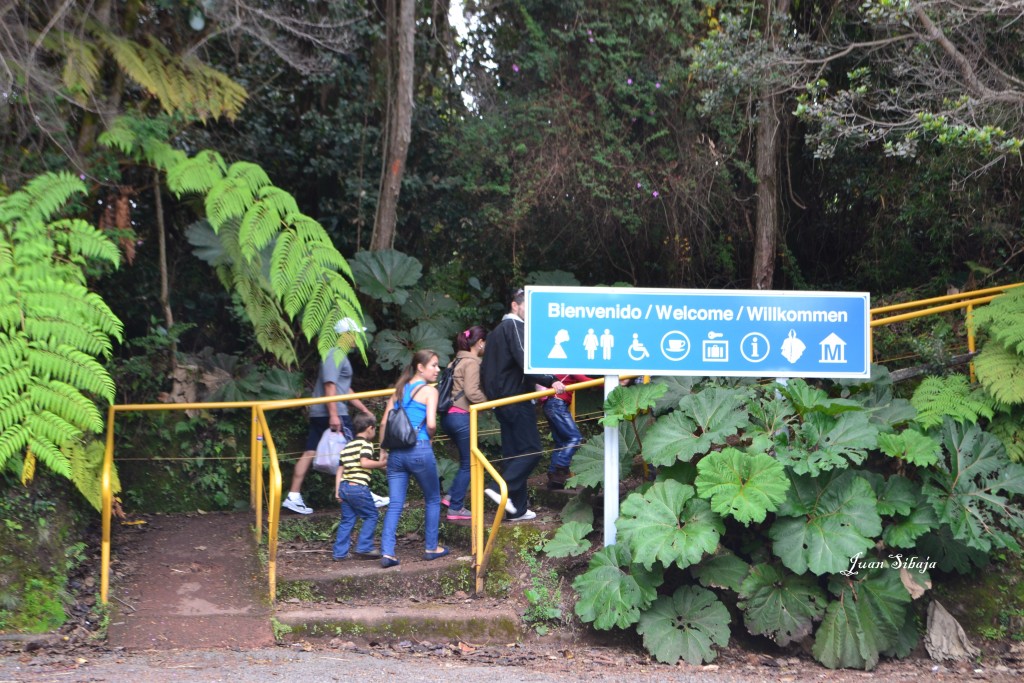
(206,244)
(569,541)
(780,605)
(578,509)
(588,463)
(668,524)
(386,275)
(675,389)
(745,486)
(966,494)
(833,518)
(807,399)
(625,403)
(865,620)
(837,643)
(673,438)
(611,597)
(395,348)
(896,495)
(718,412)
(723,570)
(949,553)
(912,446)
(824,443)
(426,305)
(905,530)
(685,626)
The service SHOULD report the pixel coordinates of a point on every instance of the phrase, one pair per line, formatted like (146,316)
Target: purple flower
(81,176)
(654,194)
(589,32)
(657,85)
(639,186)
(591,40)
(515,68)
(629,81)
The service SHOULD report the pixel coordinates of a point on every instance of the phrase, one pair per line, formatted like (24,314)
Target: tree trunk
(769,148)
(161,239)
(401,33)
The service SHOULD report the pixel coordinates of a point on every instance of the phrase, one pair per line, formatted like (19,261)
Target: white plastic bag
(328,452)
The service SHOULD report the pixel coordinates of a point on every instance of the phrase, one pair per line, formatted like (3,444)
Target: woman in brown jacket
(466,390)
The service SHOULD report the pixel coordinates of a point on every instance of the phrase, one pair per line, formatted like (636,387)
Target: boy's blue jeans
(564,432)
(456,426)
(356,503)
(419,462)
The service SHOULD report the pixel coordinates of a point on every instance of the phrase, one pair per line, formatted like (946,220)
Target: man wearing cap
(334,379)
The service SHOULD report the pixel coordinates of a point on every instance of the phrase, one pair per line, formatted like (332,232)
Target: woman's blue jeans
(356,503)
(456,426)
(564,432)
(419,462)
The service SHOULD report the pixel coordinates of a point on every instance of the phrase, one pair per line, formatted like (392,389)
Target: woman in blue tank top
(419,399)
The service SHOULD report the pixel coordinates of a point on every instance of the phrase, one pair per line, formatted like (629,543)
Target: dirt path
(189,582)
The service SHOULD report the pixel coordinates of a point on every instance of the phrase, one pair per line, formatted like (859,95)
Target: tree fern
(181,84)
(86,469)
(52,329)
(939,397)
(1003,319)
(1001,371)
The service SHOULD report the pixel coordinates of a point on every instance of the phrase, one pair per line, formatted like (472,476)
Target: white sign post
(611,469)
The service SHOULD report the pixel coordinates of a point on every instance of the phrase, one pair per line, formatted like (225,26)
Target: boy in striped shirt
(352,490)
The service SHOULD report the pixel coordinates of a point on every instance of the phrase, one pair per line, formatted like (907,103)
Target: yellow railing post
(106,498)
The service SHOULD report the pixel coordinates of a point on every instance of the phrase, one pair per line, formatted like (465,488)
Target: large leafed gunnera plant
(816,511)
(52,328)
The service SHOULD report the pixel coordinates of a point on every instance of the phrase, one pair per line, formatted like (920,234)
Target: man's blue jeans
(564,432)
(419,462)
(456,426)
(356,503)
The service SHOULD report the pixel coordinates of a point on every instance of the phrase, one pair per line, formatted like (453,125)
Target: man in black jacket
(502,375)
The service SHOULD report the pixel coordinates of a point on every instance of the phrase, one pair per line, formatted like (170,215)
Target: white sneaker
(529,514)
(495,497)
(296,505)
(380,501)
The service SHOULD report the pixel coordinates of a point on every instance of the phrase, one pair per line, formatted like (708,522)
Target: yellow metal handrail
(479,463)
(260,434)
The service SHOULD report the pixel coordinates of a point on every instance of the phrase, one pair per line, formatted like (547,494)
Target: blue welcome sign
(698,332)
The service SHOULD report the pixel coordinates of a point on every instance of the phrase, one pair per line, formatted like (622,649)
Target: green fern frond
(952,396)
(227,98)
(69,365)
(49,298)
(51,428)
(87,470)
(231,197)
(13,441)
(161,155)
(82,239)
(81,67)
(14,408)
(40,198)
(50,455)
(197,174)
(263,220)
(120,137)
(1009,429)
(1003,319)
(93,342)
(68,403)
(129,56)
(1001,372)
(14,379)
(12,347)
